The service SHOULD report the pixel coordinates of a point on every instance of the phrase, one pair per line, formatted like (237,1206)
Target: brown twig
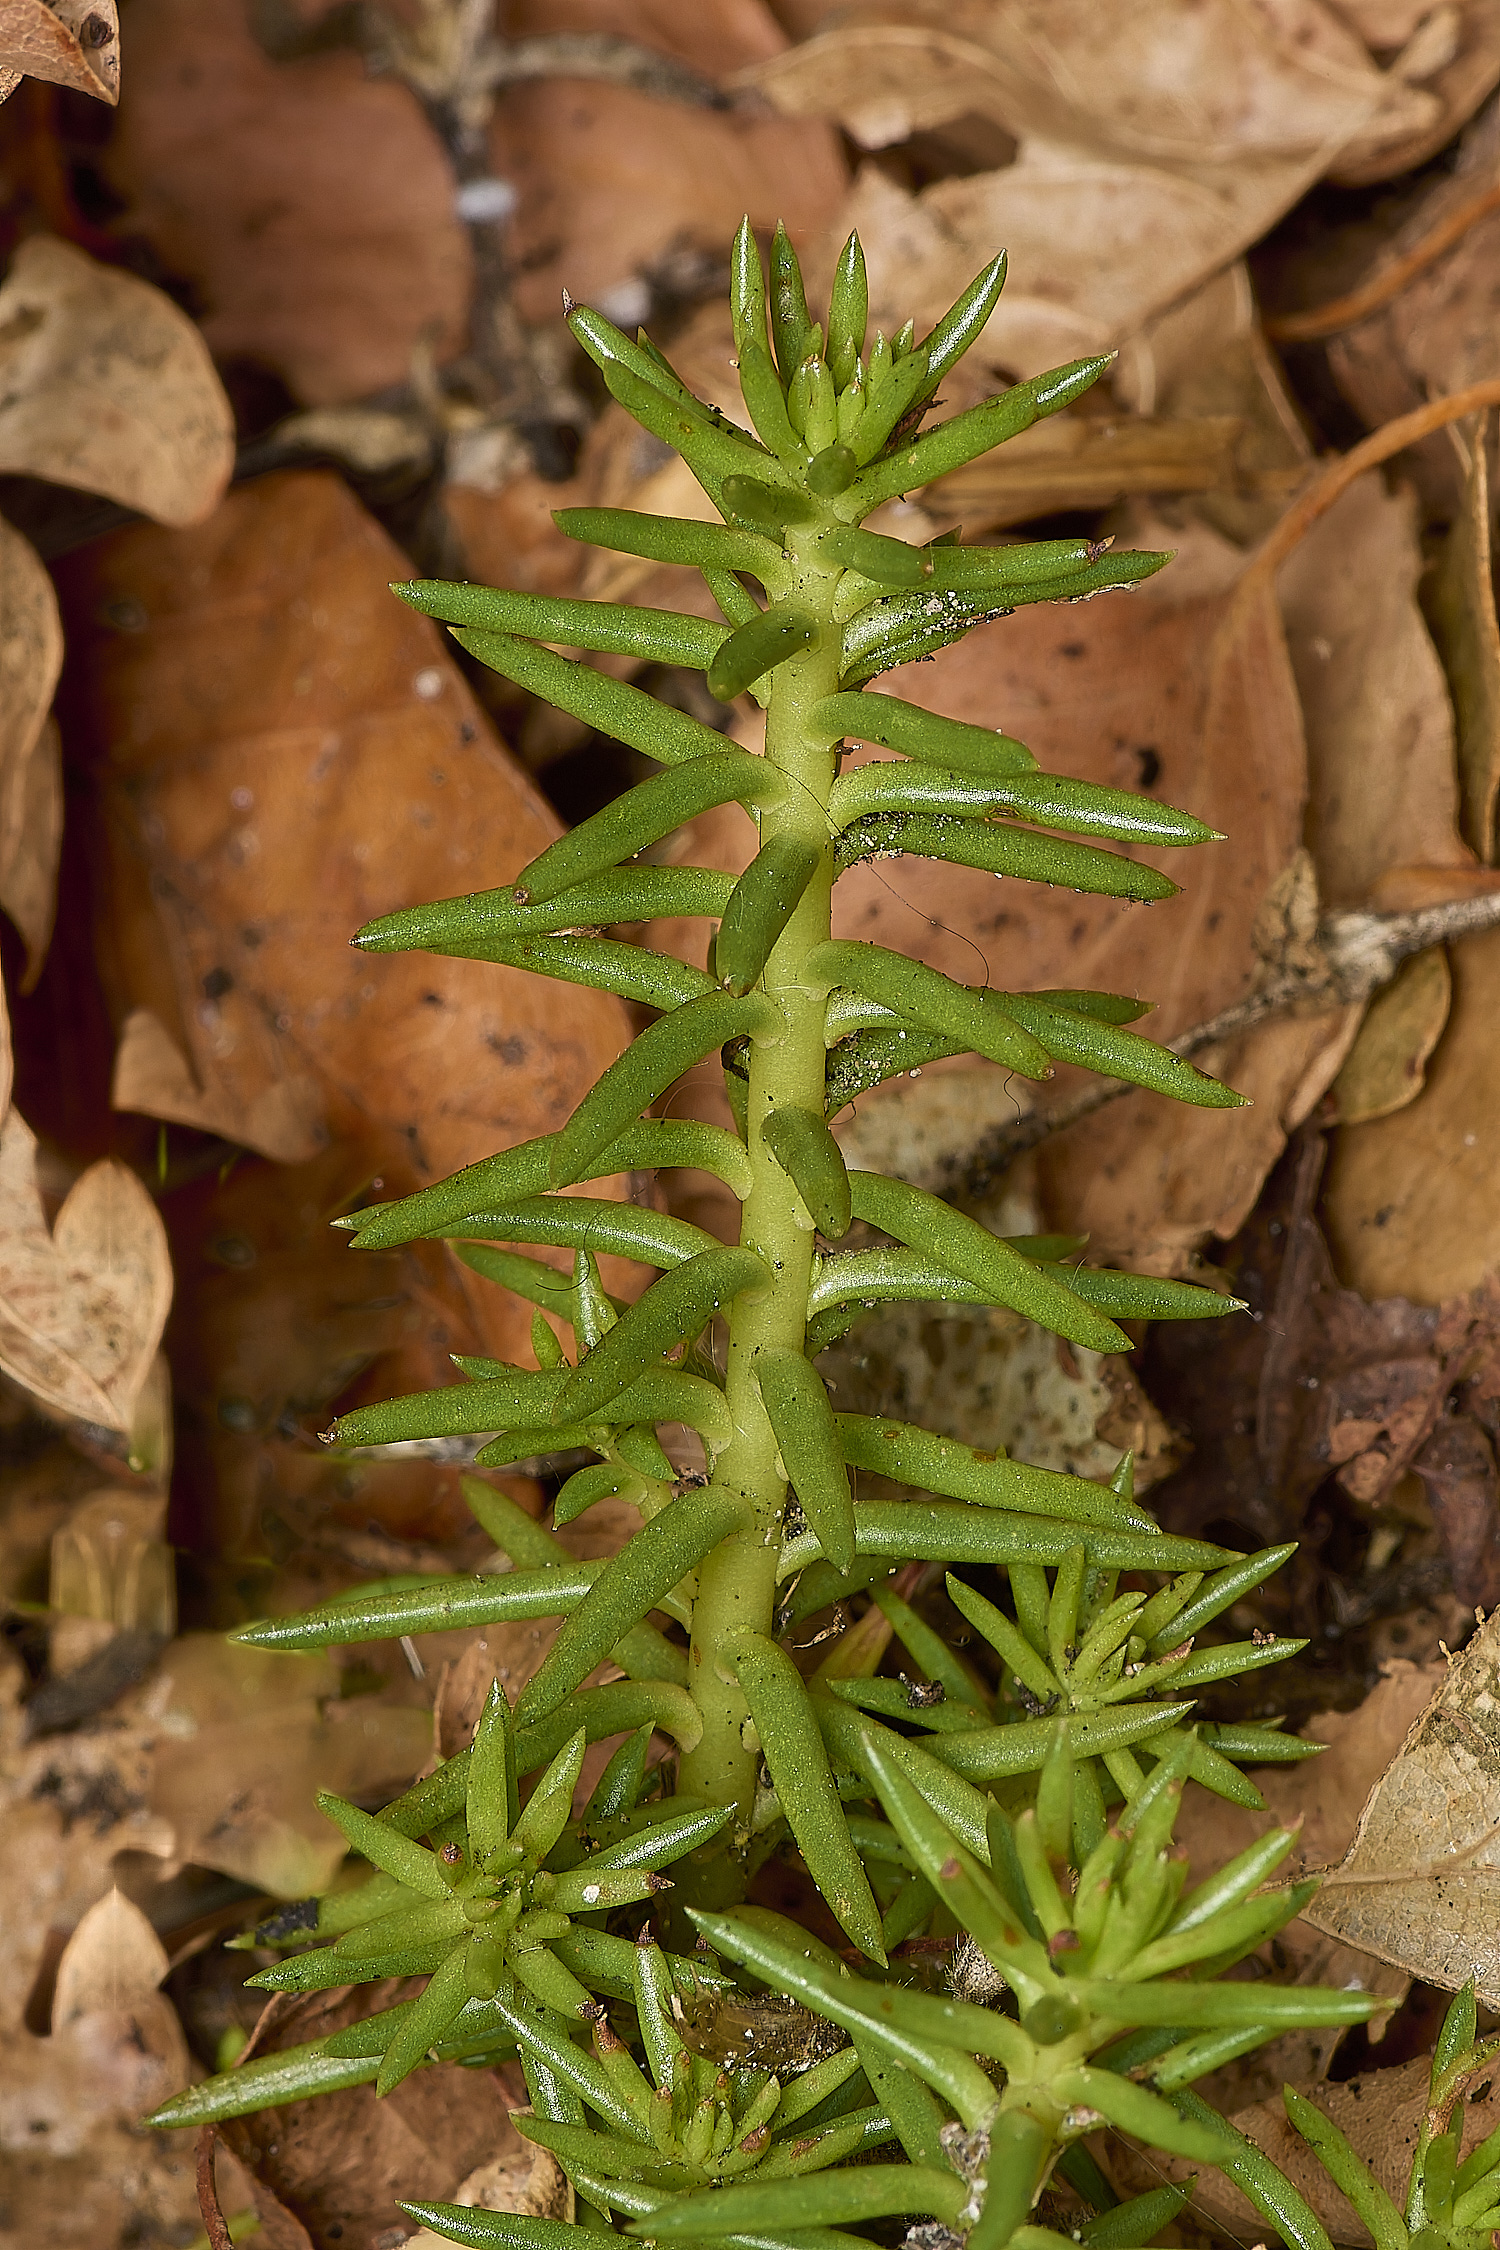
(606,60)
(1334,480)
(215,2226)
(1356,953)
(1380,287)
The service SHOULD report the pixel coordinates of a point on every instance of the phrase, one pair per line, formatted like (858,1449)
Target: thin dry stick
(214,2223)
(1344,312)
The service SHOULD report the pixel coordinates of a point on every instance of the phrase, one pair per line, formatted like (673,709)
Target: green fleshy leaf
(646,813)
(1047,800)
(961,1472)
(653,980)
(580,1222)
(869,1058)
(759,907)
(671,539)
(925,1223)
(908,1532)
(793,1749)
(607,705)
(441,1605)
(807,1438)
(988,845)
(929,1001)
(657,636)
(655,1061)
(908,467)
(265,2082)
(629,1584)
(757,646)
(469,928)
(805,1149)
(1349,2172)
(650,1143)
(677,1307)
(616,1708)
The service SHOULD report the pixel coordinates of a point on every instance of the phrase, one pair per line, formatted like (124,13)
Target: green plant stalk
(737,1584)
(503,1907)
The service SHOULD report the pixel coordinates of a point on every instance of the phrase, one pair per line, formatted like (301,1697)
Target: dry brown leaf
(283,752)
(114,1960)
(1382,787)
(1325,1795)
(109,387)
(1381,2113)
(1411,1203)
(1170,83)
(74,43)
(614,183)
(30,766)
(1437,335)
(1155,145)
(1078,461)
(1387,1065)
(617,184)
(340,2162)
(1460,602)
(275,1730)
(1420,1884)
(1452,55)
(309,252)
(81,1309)
(532,2182)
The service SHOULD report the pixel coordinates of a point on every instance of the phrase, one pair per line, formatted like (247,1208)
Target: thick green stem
(737,1585)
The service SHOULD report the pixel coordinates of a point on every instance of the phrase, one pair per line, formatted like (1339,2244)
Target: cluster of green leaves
(1032,1820)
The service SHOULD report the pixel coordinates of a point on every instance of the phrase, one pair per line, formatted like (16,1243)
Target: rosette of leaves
(1091,1980)
(683,2121)
(498,1908)
(1118,1669)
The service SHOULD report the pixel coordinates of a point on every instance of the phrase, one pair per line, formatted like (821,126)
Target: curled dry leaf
(82,1309)
(1383,794)
(108,387)
(1436,335)
(1451,53)
(341,2161)
(1412,1204)
(1156,144)
(1387,1065)
(73,43)
(30,766)
(1420,1884)
(1460,603)
(262,188)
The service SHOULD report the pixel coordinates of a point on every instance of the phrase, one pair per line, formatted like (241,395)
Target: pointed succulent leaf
(678,1306)
(759,908)
(629,1585)
(793,1749)
(1000,850)
(652,1063)
(796,1399)
(755,647)
(908,467)
(805,1149)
